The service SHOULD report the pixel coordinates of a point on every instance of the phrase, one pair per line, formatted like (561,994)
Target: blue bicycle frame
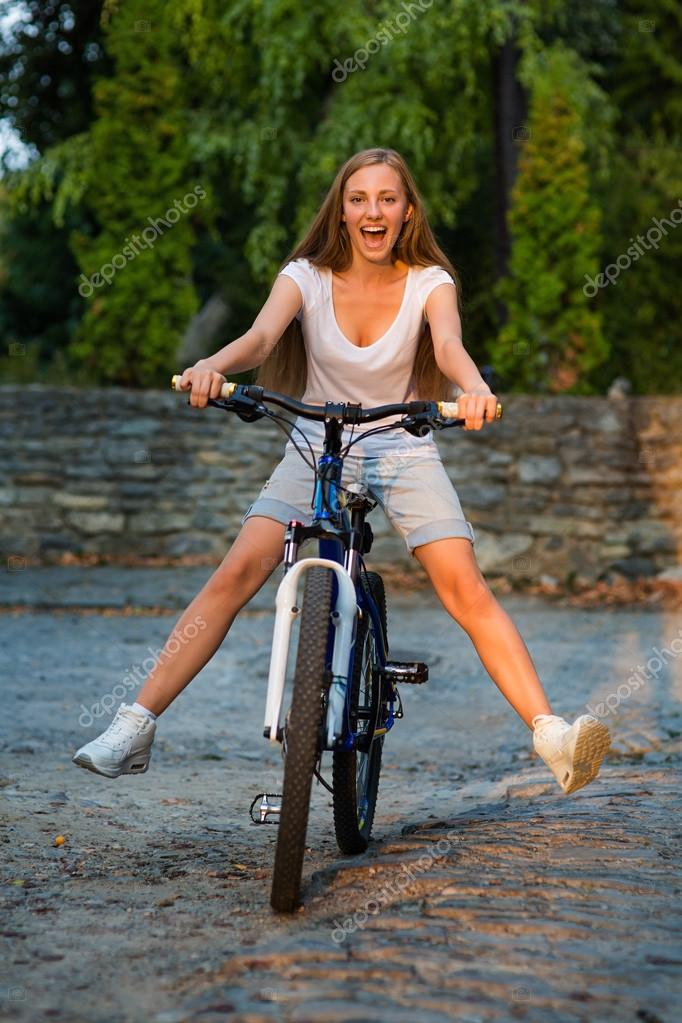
(329,510)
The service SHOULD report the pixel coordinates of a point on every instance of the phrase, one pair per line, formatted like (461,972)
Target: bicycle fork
(343,620)
(287,610)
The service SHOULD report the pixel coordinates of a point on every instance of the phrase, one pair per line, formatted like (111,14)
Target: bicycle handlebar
(346,411)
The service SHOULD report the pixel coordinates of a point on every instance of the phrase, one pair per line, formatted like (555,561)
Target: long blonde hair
(327,245)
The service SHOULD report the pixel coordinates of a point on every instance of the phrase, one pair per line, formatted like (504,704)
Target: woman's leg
(464,593)
(256,552)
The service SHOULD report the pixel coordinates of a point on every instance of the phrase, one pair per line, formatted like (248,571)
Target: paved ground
(487,895)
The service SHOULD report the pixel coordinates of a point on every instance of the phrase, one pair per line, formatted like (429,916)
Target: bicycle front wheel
(302,738)
(356,772)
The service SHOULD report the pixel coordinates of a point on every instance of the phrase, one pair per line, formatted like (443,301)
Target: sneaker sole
(137,764)
(591,745)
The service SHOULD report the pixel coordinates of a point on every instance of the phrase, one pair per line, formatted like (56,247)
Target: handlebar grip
(448,410)
(226,391)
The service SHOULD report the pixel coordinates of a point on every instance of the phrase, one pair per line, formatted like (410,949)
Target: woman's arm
(206,377)
(453,359)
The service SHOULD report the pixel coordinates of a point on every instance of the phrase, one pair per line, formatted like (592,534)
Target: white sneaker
(124,748)
(574,752)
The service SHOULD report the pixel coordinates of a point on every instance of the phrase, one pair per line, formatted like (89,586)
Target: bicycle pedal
(270,803)
(414,672)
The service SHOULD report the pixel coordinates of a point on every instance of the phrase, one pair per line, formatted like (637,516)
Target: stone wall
(558,486)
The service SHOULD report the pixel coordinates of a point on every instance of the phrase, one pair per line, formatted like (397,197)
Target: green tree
(647,82)
(49,55)
(553,338)
(643,256)
(640,201)
(144,197)
(36,310)
(260,102)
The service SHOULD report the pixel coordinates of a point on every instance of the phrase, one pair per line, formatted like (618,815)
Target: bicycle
(344,695)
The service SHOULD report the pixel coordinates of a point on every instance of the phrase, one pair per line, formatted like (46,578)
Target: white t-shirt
(378,374)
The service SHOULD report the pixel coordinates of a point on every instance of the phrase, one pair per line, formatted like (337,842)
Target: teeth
(374,230)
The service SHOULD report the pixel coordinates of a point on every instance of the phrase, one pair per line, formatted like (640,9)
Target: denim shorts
(414,491)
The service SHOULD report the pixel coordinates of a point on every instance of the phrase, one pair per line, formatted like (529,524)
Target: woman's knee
(249,563)
(460,596)
(456,577)
(474,599)
(233,585)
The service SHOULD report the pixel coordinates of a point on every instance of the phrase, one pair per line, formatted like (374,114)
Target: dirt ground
(485,895)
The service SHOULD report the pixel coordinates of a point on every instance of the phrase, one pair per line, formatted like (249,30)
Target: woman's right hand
(203,381)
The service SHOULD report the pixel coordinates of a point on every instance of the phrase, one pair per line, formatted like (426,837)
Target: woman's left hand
(474,404)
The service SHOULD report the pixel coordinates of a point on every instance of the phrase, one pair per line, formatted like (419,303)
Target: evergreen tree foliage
(553,337)
(642,247)
(647,84)
(136,267)
(642,257)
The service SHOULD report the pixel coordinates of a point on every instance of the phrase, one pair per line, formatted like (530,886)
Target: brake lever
(443,424)
(247,409)
(419,425)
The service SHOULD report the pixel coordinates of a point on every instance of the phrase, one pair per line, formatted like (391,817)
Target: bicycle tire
(355,774)
(302,738)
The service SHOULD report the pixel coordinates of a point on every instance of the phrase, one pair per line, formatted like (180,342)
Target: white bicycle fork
(343,618)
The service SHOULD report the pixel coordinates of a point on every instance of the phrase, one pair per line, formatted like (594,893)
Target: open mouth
(373,236)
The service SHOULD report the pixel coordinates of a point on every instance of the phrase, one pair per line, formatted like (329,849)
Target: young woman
(365,309)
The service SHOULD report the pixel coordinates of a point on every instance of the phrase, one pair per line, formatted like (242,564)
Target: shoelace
(117,727)
(546,723)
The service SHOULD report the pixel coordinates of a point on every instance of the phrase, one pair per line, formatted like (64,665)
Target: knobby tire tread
(352,839)
(303,734)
